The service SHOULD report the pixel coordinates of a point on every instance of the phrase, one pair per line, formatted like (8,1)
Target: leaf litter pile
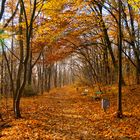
(64,114)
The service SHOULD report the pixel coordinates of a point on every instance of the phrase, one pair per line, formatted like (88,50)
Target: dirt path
(67,115)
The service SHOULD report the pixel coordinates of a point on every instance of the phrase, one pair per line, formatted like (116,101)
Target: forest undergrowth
(64,114)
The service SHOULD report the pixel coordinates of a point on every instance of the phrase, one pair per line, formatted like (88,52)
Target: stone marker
(105,104)
(85,92)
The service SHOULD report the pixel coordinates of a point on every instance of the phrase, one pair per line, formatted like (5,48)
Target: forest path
(64,114)
(71,115)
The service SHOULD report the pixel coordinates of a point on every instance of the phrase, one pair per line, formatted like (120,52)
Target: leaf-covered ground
(64,114)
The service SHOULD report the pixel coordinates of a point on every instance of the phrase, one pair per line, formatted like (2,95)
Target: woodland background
(46,45)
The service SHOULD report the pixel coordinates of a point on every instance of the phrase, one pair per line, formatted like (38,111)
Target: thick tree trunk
(16,98)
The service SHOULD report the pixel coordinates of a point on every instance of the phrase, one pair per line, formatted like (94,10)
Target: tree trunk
(138,72)
(49,79)
(2,74)
(30,69)
(17,106)
(119,113)
(55,75)
(135,49)
(2,8)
